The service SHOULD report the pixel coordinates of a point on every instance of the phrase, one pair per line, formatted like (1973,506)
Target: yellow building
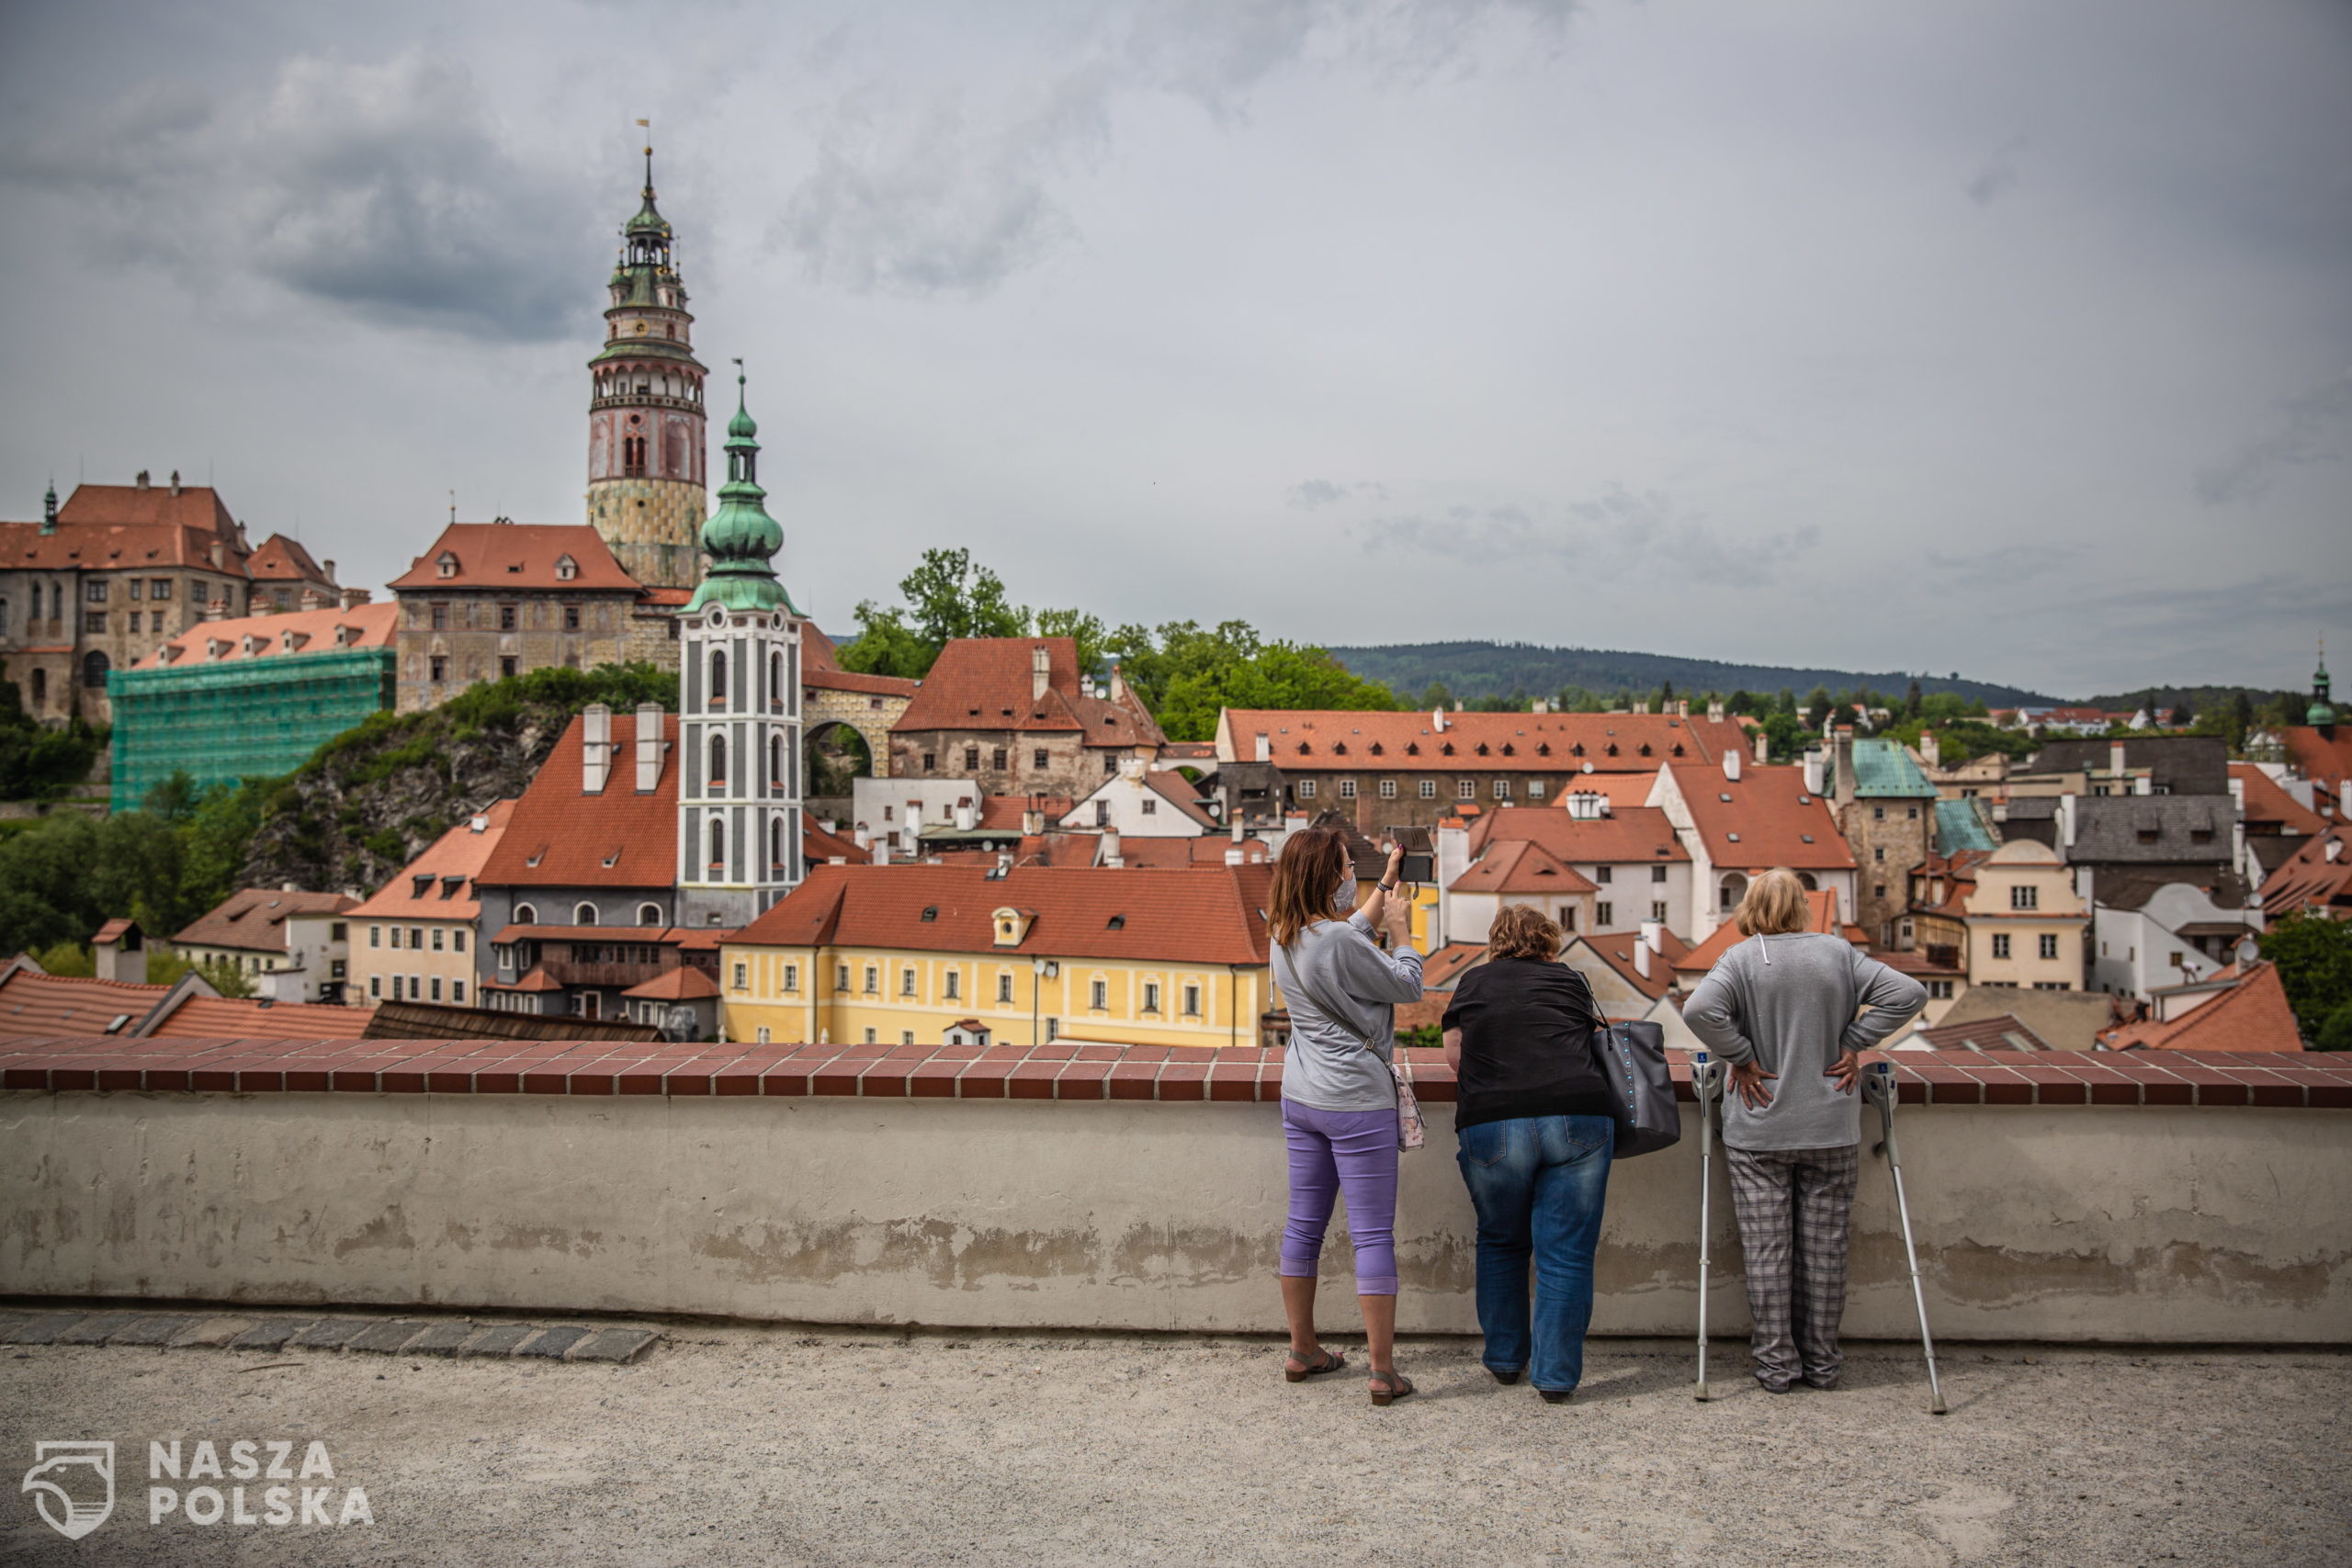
(920,954)
(414,941)
(2009,918)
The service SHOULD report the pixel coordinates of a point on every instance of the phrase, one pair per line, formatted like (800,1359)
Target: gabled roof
(2309,880)
(1176,917)
(1885,769)
(2001,1032)
(33,1004)
(1520,866)
(197,507)
(1449,962)
(1960,825)
(281,559)
(986,684)
(2324,755)
(1327,738)
(2269,808)
(2178,764)
(1628,834)
(1776,819)
(517,556)
(818,846)
(244,1018)
(1821,916)
(684,984)
(253,919)
(125,527)
(1615,949)
(1166,784)
(820,668)
(2251,1015)
(438,885)
(2115,829)
(330,630)
(560,836)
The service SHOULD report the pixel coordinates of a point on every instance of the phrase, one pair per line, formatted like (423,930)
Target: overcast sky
(2011,338)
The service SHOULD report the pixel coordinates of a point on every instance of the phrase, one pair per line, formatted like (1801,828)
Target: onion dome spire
(741,539)
(2321,711)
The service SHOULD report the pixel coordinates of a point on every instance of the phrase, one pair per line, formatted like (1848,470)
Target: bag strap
(1363,1041)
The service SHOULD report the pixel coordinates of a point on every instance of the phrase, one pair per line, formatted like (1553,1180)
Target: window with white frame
(1004,987)
(906,982)
(873,979)
(2050,946)
(1465,789)
(2025,898)
(1192,1002)
(1429,789)
(2000,944)
(791,977)
(1347,789)
(1099,996)
(1307,789)
(1388,789)
(1502,789)
(1151,996)
(953,984)
(742,976)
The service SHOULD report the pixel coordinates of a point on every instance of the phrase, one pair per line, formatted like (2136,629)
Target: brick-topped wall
(2148,1198)
(1066,1071)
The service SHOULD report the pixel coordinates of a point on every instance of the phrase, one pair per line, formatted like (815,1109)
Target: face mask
(1344,900)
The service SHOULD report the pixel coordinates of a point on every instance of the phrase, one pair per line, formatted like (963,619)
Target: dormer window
(566,568)
(251,644)
(445,564)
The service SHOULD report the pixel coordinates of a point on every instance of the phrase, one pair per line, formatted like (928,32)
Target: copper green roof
(741,539)
(1885,768)
(1960,824)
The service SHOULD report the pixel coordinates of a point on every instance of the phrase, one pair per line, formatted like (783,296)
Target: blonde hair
(1773,905)
(1522,930)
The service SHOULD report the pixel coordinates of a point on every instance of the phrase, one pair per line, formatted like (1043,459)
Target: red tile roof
(2323,757)
(1476,742)
(984,684)
(1623,791)
(114,931)
(2252,1015)
(684,984)
(1519,866)
(122,527)
(233,1018)
(518,555)
(115,507)
(313,631)
(817,846)
(34,1004)
(1821,915)
(1003,812)
(2002,1032)
(1778,821)
(560,836)
(1205,852)
(2266,803)
(2307,879)
(1446,966)
(281,559)
(1616,950)
(425,889)
(254,919)
(1180,918)
(539,979)
(1628,834)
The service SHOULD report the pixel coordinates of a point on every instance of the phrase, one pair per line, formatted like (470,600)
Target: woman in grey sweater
(1791,1011)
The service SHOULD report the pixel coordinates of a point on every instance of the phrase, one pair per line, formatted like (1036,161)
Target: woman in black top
(1532,1118)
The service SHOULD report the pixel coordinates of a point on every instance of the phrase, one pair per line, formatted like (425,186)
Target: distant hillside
(1474,670)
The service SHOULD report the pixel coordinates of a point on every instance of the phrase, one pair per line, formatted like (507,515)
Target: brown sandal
(1395,1385)
(1326,1361)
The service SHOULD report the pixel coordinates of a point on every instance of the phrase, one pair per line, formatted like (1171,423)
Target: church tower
(739,722)
(645,412)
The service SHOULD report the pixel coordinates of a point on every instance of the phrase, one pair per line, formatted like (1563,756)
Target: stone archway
(833,752)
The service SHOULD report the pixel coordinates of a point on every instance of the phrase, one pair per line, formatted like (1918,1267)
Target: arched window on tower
(718,677)
(719,759)
(775,681)
(775,763)
(718,844)
(775,843)
(633,456)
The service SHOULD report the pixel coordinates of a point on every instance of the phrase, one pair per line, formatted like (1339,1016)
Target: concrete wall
(2131,1224)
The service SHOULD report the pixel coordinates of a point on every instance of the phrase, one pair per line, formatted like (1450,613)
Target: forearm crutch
(1878,1086)
(1707,1086)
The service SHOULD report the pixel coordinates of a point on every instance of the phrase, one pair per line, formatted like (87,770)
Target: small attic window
(424,885)
(1725,798)
(1412,747)
(1677,748)
(1733,838)
(566,568)
(1509,751)
(1807,837)
(1302,749)
(1805,800)
(1645,748)
(1543,748)
(1115,923)
(1339,748)
(1482,748)
(1446,750)
(1577,749)
(445,564)
(1377,749)
(931,911)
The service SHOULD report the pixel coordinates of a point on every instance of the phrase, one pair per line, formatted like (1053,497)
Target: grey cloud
(1309,494)
(1617,536)
(2311,431)
(2003,566)
(385,190)
(1997,174)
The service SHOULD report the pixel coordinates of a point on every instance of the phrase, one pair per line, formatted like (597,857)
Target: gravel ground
(749,1445)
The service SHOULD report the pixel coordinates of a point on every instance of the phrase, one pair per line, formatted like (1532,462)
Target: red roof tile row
(986,684)
(1475,743)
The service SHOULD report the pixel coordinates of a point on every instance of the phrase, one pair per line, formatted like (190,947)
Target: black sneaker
(1556,1395)
(1505,1379)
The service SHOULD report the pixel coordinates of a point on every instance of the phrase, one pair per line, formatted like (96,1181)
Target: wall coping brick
(1191,1075)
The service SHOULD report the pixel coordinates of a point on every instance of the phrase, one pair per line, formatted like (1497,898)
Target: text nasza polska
(250,1460)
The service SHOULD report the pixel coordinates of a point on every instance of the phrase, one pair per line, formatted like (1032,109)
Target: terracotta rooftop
(2251,1015)
(253,919)
(1623,791)
(1204,851)
(2324,755)
(818,846)
(281,559)
(237,1017)
(1615,949)
(684,984)
(438,885)
(33,1004)
(985,683)
(1519,866)
(197,507)
(1005,811)
(1447,964)
(492,555)
(2269,808)
(1474,742)
(123,527)
(1179,917)
(326,630)
(1629,833)
(820,667)
(1763,818)
(560,836)
(2310,879)
(1821,915)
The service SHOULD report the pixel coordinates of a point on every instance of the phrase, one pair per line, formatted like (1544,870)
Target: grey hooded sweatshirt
(1790,1002)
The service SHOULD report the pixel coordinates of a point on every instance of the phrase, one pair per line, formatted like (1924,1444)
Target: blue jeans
(1538,1183)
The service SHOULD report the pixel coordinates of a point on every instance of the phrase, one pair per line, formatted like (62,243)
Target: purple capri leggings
(1336,1151)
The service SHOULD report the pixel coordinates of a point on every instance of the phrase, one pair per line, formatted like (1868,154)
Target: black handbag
(1631,1058)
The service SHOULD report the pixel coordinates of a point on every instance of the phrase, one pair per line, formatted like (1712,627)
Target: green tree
(1435,696)
(225,977)
(1913,704)
(67,958)
(885,645)
(39,762)
(2336,1031)
(949,595)
(1087,630)
(1817,708)
(174,799)
(2314,958)
(1787,737)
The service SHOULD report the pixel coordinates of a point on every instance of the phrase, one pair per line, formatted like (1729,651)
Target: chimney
(881,854)
(1041,672)
(1437,720)
(649,724)
(1815,765)
(1931,750)
(1642,955)
(123,956)
(1118,685)
(1033,820)
(175,481)
(1539,705)
(1264,749)
(2115,759)
(1237,827)
(1236,855)
(1654,935)
(862,837)
(1457,705)
(1844,745)
(2066,822)
(1715,711)
(1111,856)
(141,480)
(967,816)
(1642,706)
(354,597)
(1763,748)
(328,567)
(596,747)
(478,823)
(1731,763)
(312,600)
(1682,707)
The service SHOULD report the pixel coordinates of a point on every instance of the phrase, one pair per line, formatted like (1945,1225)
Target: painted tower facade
(738,793)
(646,443)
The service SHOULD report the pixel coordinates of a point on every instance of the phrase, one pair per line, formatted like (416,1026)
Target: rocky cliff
(370,800)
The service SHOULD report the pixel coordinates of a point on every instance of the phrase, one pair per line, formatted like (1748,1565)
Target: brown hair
(1306,876)
(1773,905)
(1522,930)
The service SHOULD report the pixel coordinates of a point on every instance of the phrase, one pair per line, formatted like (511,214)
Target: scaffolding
(241,718)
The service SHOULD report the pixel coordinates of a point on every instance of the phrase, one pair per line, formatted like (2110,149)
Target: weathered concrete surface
(2195,1226)
(748,1446)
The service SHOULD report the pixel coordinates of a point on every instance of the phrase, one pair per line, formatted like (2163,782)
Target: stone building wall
(653,526)
(1887,848)
(473,645)
(1071,767)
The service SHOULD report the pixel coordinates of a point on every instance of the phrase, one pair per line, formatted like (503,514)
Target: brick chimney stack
(595,748)
(1041,672)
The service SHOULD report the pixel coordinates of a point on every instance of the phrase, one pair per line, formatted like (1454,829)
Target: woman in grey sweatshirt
(1791,1011)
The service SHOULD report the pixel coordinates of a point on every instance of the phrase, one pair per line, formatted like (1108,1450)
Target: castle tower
(739,726)
(645,412)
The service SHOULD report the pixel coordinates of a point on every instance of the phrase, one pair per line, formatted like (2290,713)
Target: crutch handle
(1878,1088)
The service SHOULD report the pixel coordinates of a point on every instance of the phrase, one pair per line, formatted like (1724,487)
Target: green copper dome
(741,539)
(2322,712)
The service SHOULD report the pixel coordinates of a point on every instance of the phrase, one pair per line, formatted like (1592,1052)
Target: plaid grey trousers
(1792,1206)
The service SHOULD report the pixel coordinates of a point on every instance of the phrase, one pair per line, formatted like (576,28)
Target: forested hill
(1474,670)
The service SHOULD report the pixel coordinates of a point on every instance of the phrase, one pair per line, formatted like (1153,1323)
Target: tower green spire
(2321,711)
(741,539)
